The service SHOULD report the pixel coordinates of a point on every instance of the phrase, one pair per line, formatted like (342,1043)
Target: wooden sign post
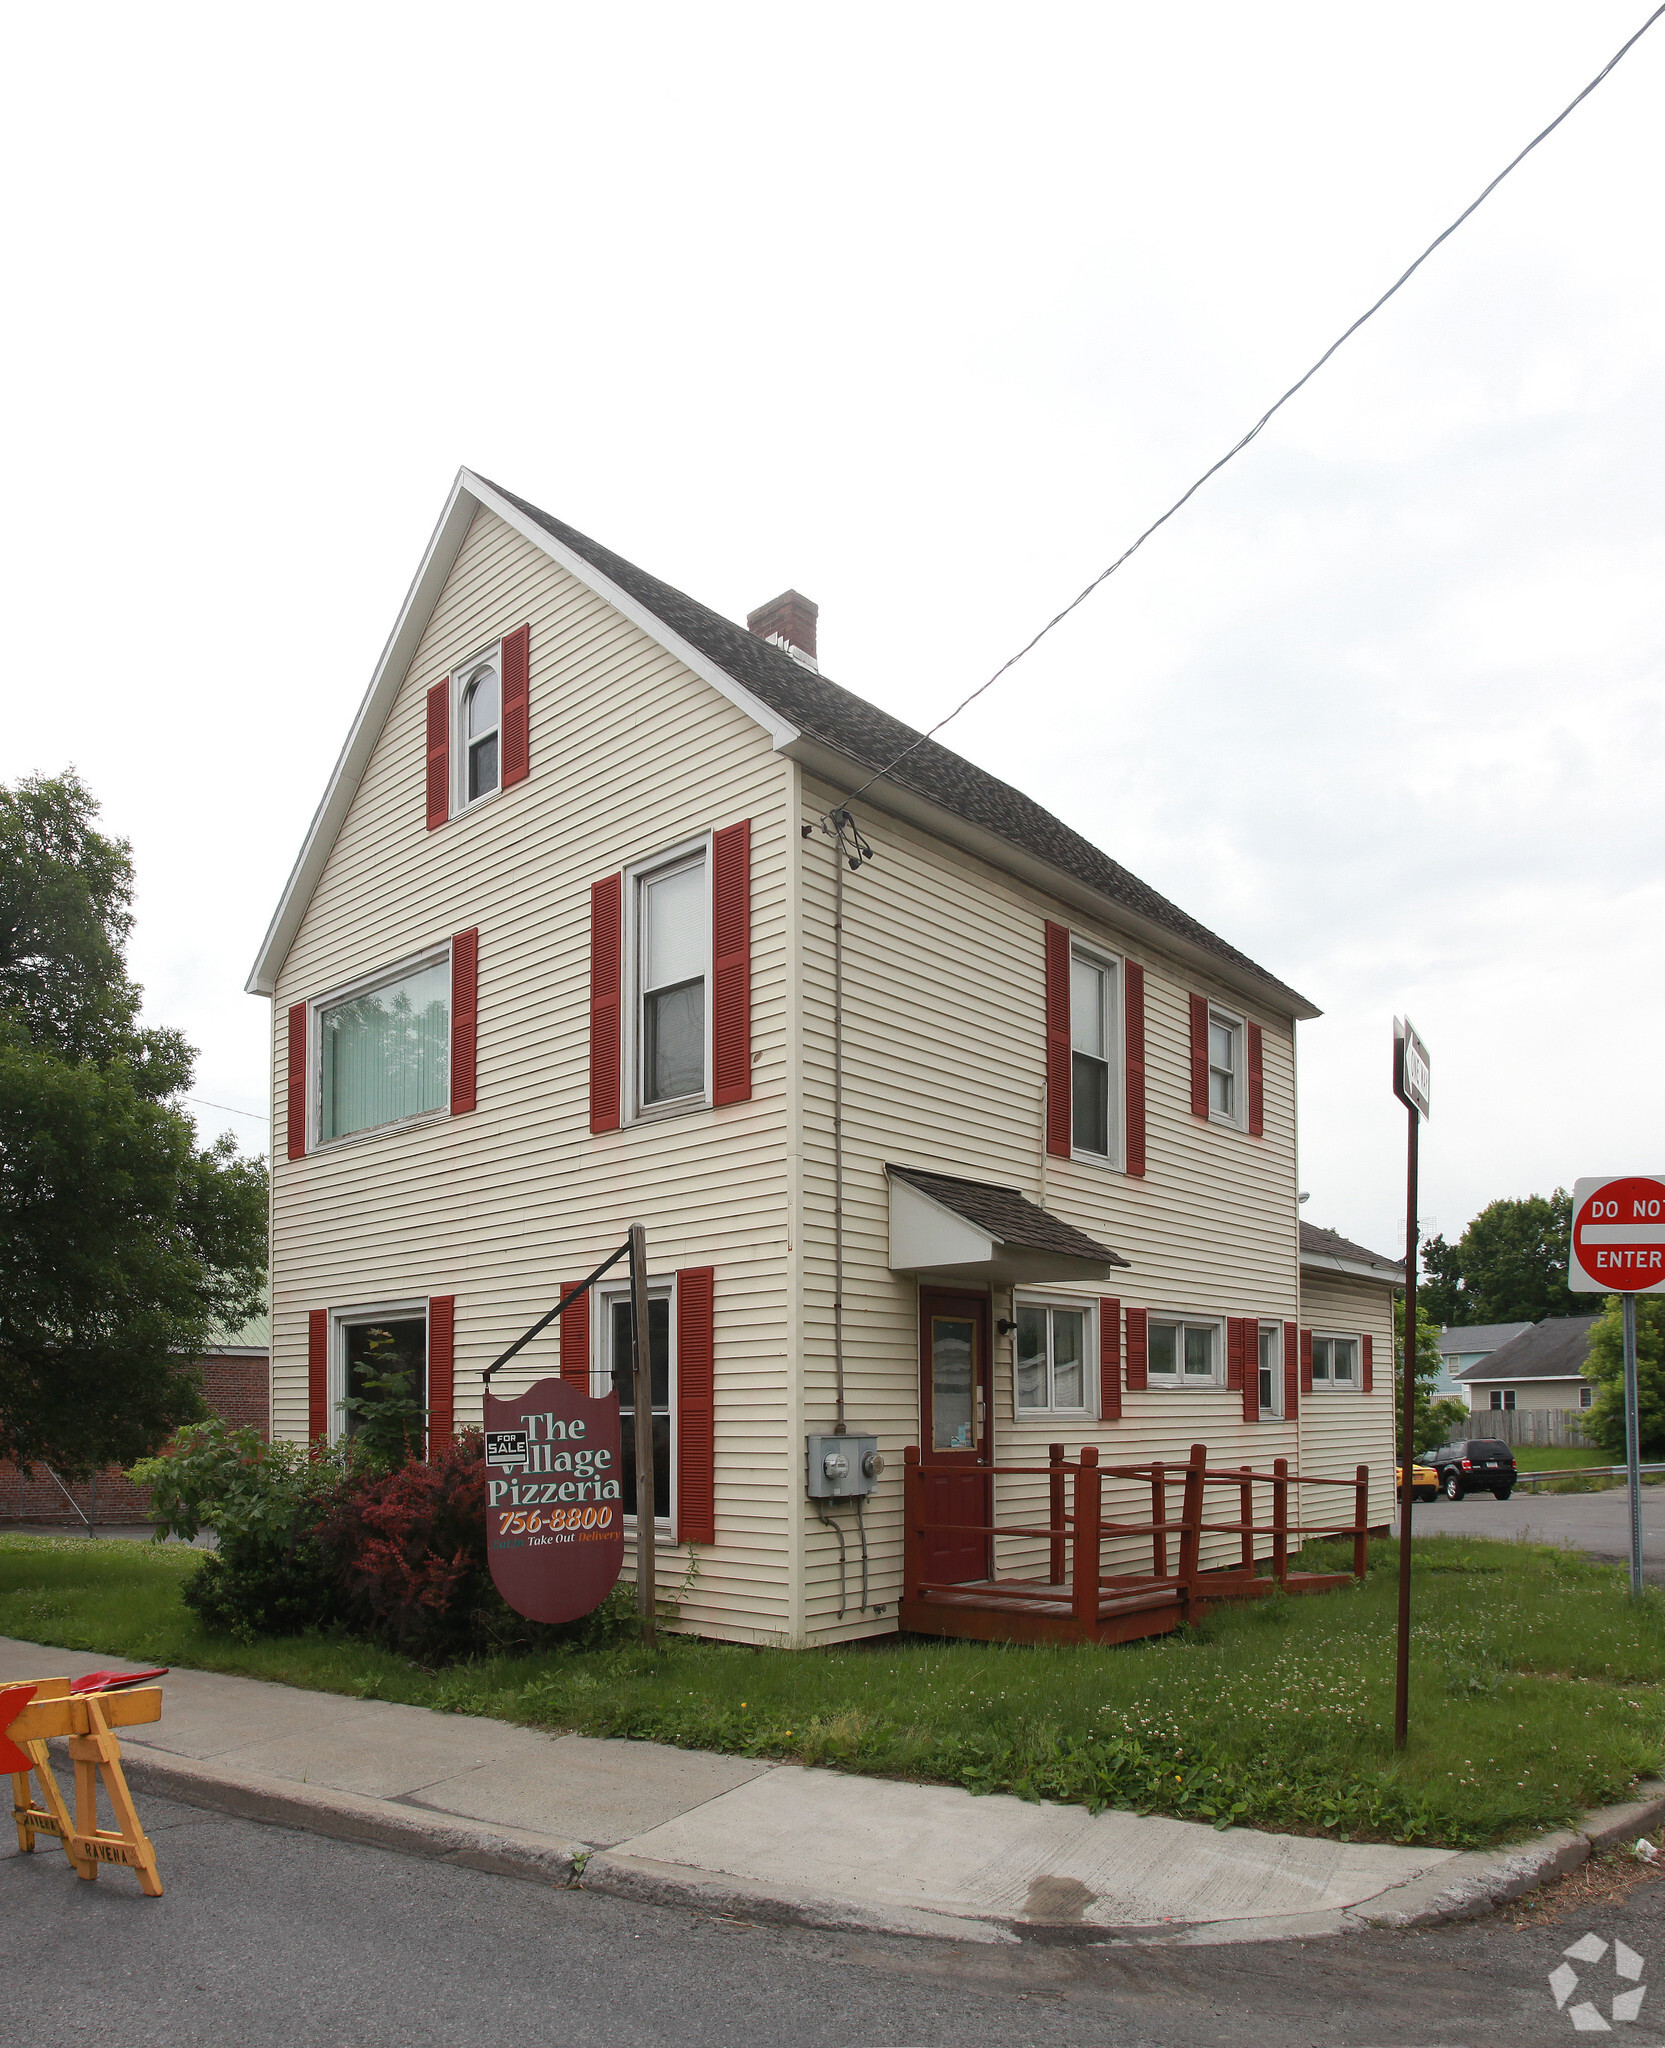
(30,1715)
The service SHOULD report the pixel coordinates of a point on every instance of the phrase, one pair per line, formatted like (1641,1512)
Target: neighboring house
(1344,1288)
(1460,1349)
(1543,1367)
(235,1384)
(559,954)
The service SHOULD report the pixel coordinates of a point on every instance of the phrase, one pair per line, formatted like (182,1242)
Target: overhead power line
(202,1103)
(1237,447)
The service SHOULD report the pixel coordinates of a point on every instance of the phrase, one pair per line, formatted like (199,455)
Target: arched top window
(481,716)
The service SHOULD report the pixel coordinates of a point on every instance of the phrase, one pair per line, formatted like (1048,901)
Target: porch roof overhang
(976,1231)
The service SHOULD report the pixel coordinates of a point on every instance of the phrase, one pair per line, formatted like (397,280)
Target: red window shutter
(1369,1366)
(1057,1041)
(574,1326)
(1110,1360)
(1257,1082)
(1234,1353)
(317,1374)
(517,690)
(606,972)
(1291,1373)
(1251,1370)
(465,1010)
(1133,1038)
(1199,1056)
(442,1329)
(439,754)
(696,1406)
(1306,1361)
(731,963)
(1138,1361)
(296,1116)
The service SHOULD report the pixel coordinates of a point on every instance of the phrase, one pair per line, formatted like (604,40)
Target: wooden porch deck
(1089,1606)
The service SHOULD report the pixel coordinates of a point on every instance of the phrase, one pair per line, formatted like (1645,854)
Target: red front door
(954,1432)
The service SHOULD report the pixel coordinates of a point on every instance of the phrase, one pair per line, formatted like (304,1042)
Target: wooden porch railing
(1077,1528)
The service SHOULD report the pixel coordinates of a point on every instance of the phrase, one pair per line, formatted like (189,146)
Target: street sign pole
(641,1392)
(1633,1454)
(1411,1076)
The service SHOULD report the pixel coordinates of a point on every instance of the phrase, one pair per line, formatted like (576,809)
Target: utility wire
(1238,447)
(202,1103)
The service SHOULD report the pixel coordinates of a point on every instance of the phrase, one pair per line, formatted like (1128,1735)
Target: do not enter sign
(1618,1235)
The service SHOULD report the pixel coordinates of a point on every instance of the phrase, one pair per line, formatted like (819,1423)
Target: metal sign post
(641,1349)
(1412,1079)
(1618,1247)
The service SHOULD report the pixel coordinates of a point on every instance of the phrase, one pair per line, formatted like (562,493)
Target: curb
(1464,1887)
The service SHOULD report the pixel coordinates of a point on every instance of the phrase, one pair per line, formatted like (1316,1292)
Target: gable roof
(1328,1251)
(1454,1343)
(1006,1215)
(1553,1350)
(837,734)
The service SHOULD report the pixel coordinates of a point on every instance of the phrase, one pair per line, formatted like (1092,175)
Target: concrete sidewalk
(778,1841)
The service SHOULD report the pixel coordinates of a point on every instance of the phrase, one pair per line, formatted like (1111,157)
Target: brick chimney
(789,622)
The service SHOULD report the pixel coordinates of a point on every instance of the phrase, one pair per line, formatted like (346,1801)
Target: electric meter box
(842,1467)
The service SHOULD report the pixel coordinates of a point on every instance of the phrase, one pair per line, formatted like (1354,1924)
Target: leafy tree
(1606,1366)
(124,1248)
(1427,1372)
(1509,1265)
(1447,1420)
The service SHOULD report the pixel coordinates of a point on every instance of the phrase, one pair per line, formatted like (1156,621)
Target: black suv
(1479,1464)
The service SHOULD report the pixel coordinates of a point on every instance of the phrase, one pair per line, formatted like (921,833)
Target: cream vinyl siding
(630,753)
(1339,1430)
(944,1035)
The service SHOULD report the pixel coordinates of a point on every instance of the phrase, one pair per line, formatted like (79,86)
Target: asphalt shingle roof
(1553,1350)
(1479,1337)
(872,738)
(1006,1215)
(1330,1244)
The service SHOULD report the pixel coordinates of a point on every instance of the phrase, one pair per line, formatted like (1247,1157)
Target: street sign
(1618,1235)
(1412,1069)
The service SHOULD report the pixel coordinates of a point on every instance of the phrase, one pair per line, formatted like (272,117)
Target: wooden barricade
(50,1707)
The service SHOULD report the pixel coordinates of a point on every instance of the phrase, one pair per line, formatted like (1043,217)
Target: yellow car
(1425,1482)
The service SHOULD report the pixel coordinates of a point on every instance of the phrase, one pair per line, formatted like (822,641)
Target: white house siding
(630,754)
(1340,1430)
(944,1034)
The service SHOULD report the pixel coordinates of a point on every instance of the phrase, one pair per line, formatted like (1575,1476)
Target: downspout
(848,847)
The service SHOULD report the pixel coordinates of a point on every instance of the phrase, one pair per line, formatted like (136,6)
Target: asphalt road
(273,1939)
(1596,1523)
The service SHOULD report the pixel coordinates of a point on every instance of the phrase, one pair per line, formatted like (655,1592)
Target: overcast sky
(926,310)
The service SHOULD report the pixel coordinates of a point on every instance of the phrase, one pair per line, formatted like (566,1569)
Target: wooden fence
(1557,1428)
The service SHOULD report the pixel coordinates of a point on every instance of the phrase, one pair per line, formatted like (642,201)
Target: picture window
(384,1051)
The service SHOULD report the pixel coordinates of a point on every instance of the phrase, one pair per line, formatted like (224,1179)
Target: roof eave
(831,765)
(1326,1262)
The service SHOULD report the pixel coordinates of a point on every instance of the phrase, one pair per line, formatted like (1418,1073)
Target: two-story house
(942,1126)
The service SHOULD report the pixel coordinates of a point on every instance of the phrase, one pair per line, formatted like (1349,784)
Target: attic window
(478,718)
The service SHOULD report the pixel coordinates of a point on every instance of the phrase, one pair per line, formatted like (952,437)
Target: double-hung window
(1183,1352)
(1270,1367)
(1335,1363)
(1051,1351)
(477,693)
(1225,1067)
(1092,1055)
(672,953)
(614,1374)
(384,1050)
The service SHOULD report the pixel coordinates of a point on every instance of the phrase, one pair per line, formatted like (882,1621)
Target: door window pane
(953,1383)
(386,1054)
(1069,1382)
(396,1351)
(1164,1348)
(1199,1350)
(1031,1357)
(619,1367)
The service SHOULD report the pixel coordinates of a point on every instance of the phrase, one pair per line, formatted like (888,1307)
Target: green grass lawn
(1535,1693)
(1545,1458)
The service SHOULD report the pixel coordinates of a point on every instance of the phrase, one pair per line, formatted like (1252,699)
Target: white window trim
(607,1292)
(635,1111)
(1217,1012)
(434,956)
(1504,1401)
(335,1366)
(1180,1378)
(1276,1409)
(1087,1308)
(1356,1384)
(460,799)
(1114,1159)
